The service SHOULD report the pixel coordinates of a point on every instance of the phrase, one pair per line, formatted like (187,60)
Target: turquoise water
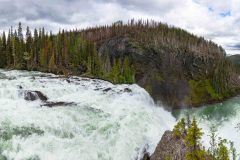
(98,125)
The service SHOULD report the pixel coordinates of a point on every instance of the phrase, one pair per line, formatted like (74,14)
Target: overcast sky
(218,20)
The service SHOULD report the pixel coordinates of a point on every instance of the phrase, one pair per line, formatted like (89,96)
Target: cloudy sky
(218,20)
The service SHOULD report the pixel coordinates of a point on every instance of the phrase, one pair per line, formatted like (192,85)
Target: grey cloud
(148,6)
(56,14)
(234,46)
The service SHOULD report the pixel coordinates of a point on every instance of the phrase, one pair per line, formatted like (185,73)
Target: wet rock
(107,89)
(57,104)
(34,95)
(19,87)
(128,90)
(68,80)
(146,156)
(170,147)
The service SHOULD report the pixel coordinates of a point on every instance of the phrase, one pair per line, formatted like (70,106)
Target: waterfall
(99,121)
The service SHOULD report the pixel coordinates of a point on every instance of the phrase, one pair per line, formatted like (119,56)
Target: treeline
(76,52)
(155,34)
(63,53)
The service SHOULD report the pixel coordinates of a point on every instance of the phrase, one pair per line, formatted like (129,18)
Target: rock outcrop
(170,147)
(34,95)
(175,76)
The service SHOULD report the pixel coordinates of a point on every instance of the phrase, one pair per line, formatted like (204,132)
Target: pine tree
(213,141)
(20,33)
(35,49)
(9,49)
(222,151)
(28,51)
(179,130)
(192,139)
(3,51)
(128,72)
(233,151)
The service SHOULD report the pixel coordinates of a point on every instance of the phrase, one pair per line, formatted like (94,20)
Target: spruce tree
(233,151)
(222,151)
(213,141)
(179,130)
(194,135)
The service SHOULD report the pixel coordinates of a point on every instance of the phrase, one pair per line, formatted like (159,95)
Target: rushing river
(100,121)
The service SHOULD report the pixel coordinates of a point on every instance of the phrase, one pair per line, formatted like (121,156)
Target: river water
(101,122)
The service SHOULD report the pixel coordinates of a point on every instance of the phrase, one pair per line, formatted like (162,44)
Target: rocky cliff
(175,76)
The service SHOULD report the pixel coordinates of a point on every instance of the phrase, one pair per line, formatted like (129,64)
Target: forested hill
(174,66)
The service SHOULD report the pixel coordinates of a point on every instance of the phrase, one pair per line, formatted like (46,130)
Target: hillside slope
(177,68)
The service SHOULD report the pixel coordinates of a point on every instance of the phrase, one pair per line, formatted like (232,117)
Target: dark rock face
(146,157)
(166,71)
(34,95)
(170,148)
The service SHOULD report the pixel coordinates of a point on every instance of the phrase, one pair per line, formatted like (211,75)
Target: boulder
(128,90)
(170,147)
(34,95)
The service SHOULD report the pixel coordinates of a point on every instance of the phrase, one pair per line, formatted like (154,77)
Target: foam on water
(100,125)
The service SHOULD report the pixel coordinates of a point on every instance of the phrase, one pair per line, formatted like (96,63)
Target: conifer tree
(179,130)
(222,151)
(28,51)
(127,71)
(213,141)
(233,151)
(192,139)
(9,49)
(3,54)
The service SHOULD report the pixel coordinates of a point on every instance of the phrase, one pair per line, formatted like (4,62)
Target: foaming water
(103,121)
(224,116)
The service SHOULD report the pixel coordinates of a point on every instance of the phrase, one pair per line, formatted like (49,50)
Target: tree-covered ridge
(63,53)
(174,66)
(64,50)
(154,33)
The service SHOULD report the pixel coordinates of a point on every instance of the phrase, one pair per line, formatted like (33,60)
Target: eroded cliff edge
(175,76)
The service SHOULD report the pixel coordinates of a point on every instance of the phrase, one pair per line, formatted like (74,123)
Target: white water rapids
(101,124)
